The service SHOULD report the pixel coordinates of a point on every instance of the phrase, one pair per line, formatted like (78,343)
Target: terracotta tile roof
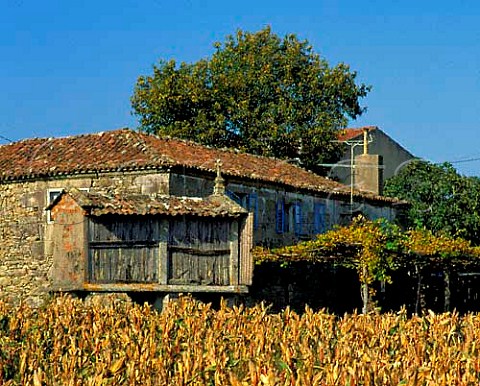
(128,150)
(351,133)
(98,204)
(41,157)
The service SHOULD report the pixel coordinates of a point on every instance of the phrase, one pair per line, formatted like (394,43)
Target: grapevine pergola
(376,249)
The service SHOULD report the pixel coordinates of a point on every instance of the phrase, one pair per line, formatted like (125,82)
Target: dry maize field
(72,342)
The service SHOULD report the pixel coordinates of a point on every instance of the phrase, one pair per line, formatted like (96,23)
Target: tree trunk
(364,292)
(419,286)
(446,293)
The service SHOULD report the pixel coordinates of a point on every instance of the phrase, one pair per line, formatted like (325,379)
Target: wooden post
(233,279)
(163,251)
(419,286)
(364,291)
(246,256)
(446,291)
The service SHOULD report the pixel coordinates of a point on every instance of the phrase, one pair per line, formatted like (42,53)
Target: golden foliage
(73,343)
(374,248)
(425,243)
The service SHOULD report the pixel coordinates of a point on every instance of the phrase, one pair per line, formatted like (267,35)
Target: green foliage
(258,93)
(441,199)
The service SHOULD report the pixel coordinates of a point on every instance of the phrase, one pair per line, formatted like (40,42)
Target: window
(237,197)
(247,201)
(252,206)
(52,194)
(319,220)
(297,218)
(280,216)
(240,198)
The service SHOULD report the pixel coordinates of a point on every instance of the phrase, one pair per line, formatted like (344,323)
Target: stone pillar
(369,173)
(162,300)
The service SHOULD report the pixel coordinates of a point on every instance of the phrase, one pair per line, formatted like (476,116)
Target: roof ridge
(66,136)
(370,127)
(222,149)
(141,134)
(132,150)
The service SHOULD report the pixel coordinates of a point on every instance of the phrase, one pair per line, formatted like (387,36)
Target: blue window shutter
(297,213)
(319,221)
(253,207)
(234,197)
(280,216)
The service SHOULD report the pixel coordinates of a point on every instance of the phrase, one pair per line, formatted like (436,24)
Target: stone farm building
(68,205)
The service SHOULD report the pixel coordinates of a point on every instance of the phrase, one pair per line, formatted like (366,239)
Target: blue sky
(69,67)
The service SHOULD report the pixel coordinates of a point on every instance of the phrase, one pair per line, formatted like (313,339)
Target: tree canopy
(441,199)
(258,93)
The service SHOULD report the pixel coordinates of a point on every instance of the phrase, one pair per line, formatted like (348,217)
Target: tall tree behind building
(258,93)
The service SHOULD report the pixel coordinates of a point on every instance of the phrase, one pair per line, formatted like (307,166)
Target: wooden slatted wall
(123,250)
(199,251)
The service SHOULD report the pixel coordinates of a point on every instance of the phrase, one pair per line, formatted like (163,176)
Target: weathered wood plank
(120,229)
(123,265)
(163,257)
(233,269)
(187,268)
(123,244)
(199,251)
(123,249)
(246,256)
(153,287)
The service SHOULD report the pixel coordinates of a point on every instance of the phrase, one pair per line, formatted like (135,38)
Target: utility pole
(353,144)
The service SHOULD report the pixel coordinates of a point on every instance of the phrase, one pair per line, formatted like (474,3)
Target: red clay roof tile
(351,133)
(126,150)
(98,204)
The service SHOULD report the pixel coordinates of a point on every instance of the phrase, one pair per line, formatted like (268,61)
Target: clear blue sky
(69,67)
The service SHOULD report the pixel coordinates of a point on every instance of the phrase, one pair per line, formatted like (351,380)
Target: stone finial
(219,187)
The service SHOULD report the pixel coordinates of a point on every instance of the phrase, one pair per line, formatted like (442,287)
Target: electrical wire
(6,139)
(465,160)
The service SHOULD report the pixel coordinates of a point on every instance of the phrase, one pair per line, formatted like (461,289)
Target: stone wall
(26,238)
(337,209)
(23,266)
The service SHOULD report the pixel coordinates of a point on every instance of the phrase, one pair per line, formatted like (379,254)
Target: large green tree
(258,93)
(441,199)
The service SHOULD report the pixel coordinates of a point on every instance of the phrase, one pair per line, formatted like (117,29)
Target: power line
(6,139)
(465,160)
